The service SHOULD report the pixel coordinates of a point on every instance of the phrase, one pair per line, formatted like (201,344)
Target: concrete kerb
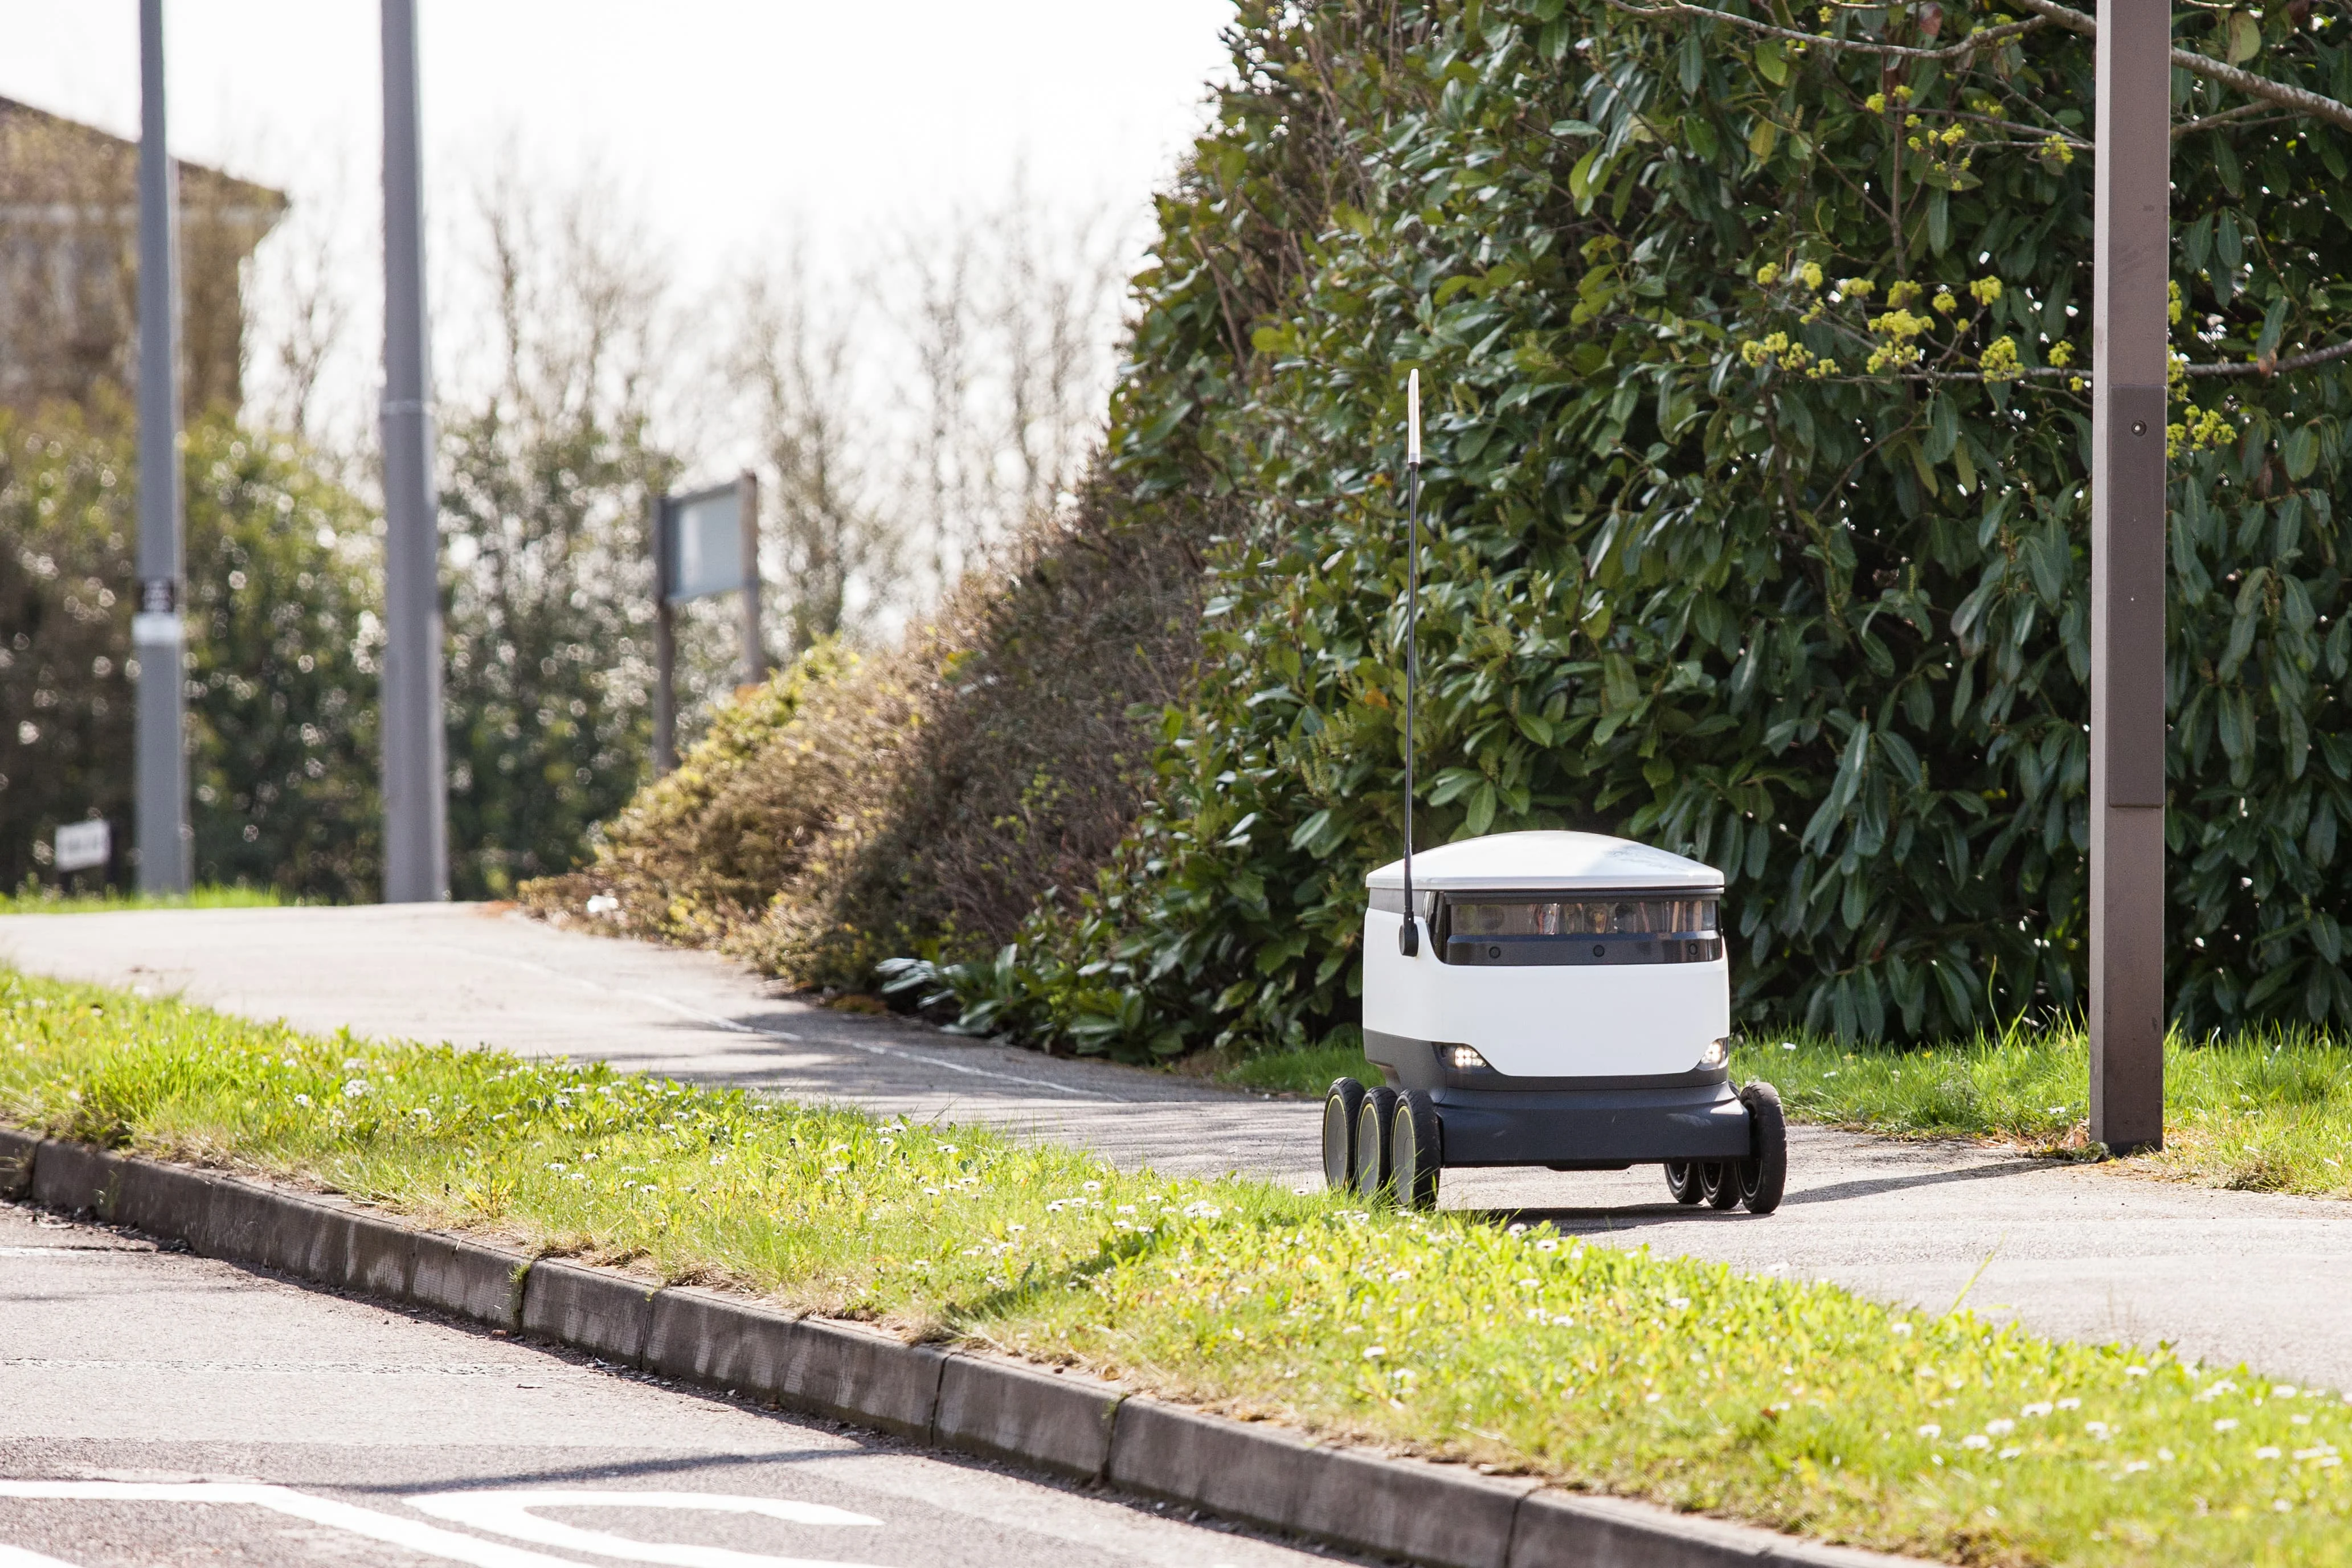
(1440,1515)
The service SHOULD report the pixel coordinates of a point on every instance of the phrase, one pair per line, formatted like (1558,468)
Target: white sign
(81,845)
(706,544)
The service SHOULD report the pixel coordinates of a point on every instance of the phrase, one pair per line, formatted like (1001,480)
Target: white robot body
(1553,955)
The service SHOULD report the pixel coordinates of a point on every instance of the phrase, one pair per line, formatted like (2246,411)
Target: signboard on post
(704,543)
(82,845)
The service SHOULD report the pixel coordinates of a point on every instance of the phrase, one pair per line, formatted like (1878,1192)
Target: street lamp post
(2130,268)
(159,754)
(416,770)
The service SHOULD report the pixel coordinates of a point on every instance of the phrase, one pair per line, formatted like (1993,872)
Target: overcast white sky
(728,122)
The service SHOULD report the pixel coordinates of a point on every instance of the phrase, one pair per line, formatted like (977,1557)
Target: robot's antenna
(1409,934)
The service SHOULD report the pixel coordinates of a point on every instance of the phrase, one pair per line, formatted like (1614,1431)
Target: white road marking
(23,1557)
(508,1514)
(503,1512)
(731,1025)
(250,1368)
(423,1539)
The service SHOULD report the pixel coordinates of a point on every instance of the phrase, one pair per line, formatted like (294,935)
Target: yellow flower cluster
(1929,141)
(1999,361)
(2175,304)
(1904,293)
(1897,330)
(1807,273)
(1944,302)
(2054,151)
(1985,290)
(1856,288)
(2062,354)
(1776,349)
(2204,427)
(1876,102)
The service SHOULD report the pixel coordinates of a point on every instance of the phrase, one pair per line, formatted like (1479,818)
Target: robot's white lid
(1568,863)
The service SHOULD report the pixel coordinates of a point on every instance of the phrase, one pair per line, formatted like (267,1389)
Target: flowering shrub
(1785,573)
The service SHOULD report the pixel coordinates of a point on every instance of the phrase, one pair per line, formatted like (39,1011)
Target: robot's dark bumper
(1593,1128)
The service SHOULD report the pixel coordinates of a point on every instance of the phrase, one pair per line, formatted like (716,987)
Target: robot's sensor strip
(1581,930)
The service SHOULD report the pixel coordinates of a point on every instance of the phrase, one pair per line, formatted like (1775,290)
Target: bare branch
(1966,46)
(2229,76)
(2274,365)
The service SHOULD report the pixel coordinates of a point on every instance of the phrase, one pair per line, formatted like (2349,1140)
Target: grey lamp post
(416,770)
(2130,265)
(158,746)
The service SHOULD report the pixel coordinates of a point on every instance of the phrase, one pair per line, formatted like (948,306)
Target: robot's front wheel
(1374,1171)
(1343,1102)
(1416,1150)
(1682,1180)
(1719,1183)
(1764,1174)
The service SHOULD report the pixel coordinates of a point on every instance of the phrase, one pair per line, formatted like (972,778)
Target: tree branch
(2274,366)
(2247,83)
(1969,45)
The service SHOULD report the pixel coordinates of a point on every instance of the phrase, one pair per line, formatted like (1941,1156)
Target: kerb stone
(1006,1411)
(604,1314)
(170,1201)
(699,1336)
(1390,1508)
(1619,1532)
(74,1178)
(468,1280)
(17,1151)
(852,1374)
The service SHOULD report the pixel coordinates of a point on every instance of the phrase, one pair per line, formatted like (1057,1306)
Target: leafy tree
(280,657)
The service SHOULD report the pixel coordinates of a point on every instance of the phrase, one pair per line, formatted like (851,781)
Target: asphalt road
(2091,1252)
(162,1409)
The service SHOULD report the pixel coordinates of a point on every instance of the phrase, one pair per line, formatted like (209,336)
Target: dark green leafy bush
(1756,481)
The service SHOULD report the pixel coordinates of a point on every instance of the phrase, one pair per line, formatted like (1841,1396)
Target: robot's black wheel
(1718,1182)
(1764,1175)
(1375,1167)
(1342,1102)
(1682,1180)
(1416,1150)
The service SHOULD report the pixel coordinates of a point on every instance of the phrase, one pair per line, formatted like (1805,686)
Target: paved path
(2086,1251)
(136,1378)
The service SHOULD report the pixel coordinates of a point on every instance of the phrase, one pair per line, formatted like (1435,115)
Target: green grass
(33,899)
(1789,1404)
(2267,1113)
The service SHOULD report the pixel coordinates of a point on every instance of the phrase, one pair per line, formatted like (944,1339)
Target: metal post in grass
(2130,267)
(158,746)
(416,768)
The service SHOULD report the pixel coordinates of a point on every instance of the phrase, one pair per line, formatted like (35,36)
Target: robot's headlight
(1717,1053)
(1464,1058)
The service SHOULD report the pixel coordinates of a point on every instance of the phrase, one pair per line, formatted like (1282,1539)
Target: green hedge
(1729,553)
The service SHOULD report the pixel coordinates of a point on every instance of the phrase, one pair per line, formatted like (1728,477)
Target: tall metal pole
(660,521)
(415,769)
(160,747)
(747,522)
(2131,263)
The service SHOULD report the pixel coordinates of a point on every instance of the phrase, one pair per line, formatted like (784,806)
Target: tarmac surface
(2092,1252)
(163,1409)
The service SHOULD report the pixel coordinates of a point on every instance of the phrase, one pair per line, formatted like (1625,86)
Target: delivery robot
(1568,1005)
(1544,999)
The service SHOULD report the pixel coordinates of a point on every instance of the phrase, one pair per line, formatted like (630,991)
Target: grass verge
(1789,1404)
(2265,1113)
(38,900)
